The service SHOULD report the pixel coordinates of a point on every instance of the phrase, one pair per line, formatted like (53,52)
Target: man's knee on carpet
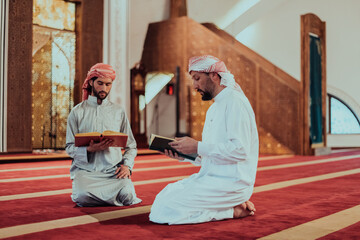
(84,199)
(126,195)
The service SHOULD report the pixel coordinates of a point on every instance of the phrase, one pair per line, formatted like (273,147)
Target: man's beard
(206,96)
(97,94)
(206,93)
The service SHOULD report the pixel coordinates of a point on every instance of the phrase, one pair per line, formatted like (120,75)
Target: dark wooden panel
(311,23)
(89,40)
(89,45)
(19,76)
(178,8)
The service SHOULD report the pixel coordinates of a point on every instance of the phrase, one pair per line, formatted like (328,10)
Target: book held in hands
(160,143)
(83,139)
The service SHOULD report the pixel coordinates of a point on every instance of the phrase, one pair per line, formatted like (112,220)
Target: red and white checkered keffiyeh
(208,63)
(98,70)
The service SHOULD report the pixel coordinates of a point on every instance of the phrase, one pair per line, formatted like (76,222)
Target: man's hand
(170,153)
(185,145)
(101,146)
(123,172)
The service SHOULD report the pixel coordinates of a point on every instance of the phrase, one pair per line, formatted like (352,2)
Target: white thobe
(228,153)
(93,174)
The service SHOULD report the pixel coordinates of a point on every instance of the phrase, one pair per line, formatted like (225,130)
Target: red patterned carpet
(296,197)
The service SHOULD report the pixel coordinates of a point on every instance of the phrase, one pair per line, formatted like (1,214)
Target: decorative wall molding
(19,67)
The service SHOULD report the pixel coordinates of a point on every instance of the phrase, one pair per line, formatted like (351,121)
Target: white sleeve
(130,149)
(238,136)
(196,162)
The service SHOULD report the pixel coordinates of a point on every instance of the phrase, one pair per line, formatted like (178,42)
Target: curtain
(316,128)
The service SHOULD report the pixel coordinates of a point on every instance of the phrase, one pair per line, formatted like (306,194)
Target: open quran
(83,139)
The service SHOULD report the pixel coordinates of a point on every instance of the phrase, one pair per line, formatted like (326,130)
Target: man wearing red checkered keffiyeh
(99,70)
(228,154)
(100,172)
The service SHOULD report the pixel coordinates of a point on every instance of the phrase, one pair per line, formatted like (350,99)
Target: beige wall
(276,36)
(141,14)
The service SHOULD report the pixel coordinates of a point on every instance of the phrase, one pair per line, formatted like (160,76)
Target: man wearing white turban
(228,154)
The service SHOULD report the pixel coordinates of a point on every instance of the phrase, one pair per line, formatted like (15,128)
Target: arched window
(342,120)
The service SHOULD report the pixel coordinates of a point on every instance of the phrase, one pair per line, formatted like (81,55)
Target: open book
(160,143)
(83,139)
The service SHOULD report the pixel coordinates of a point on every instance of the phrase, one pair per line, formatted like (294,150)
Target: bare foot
(250,206)
(245,209)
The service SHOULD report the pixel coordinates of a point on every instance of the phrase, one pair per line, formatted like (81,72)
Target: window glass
(343,120)
(55,14)
(53,71)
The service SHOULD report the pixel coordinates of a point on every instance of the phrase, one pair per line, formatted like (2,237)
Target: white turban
(208,64)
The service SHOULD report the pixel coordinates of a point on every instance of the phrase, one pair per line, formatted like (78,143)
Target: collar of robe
(93,101)
(221,95)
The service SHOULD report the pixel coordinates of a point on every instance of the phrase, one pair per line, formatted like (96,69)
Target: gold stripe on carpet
(33,178)
(68,175)
(68,166)
(320,227)
(189,165)
(166,159)
(159,160)
(31,157)
(35,168)
(287,165)
(71,221)
(283,184)
(35,194)
(275,157)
